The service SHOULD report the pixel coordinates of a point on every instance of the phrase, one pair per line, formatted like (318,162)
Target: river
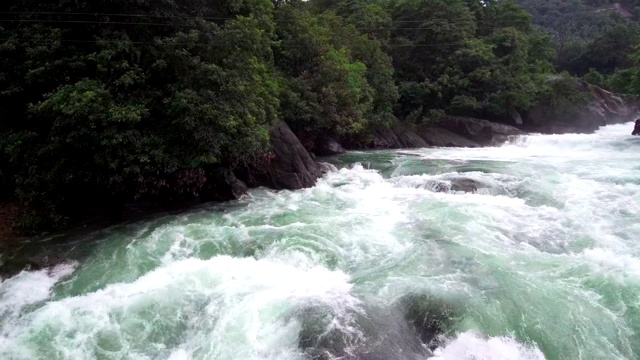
(541,262)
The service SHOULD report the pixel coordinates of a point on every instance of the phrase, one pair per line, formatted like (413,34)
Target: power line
(87,22)
(193,17)
(212,44)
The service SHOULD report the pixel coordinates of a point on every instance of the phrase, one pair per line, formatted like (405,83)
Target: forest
(110,102)
(594,39)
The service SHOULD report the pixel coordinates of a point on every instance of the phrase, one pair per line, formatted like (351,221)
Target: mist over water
(383,259)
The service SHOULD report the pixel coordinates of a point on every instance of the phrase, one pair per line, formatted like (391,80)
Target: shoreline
(9,210)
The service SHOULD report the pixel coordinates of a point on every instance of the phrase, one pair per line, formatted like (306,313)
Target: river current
(380,260)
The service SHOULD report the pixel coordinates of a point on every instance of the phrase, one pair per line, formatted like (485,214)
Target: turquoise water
(542,261)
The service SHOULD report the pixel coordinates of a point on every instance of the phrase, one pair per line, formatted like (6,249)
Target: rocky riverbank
(292,166)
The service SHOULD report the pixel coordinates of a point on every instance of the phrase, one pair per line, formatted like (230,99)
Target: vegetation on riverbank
(107,103)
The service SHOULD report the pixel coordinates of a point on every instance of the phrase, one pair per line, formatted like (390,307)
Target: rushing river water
(542,261)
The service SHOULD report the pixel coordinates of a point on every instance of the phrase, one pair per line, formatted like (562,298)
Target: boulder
(290,166)
(397,136)
(611,107)
(45,261)
(409,139)
(223,185)
(384,138)
(437,136)
(326,167)
(327,146)
(636,128)
(465,185)
(479,131)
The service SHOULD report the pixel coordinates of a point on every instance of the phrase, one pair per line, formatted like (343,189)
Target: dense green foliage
(110,102)
(593,38)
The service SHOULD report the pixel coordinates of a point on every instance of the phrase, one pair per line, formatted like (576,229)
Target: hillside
(591,37)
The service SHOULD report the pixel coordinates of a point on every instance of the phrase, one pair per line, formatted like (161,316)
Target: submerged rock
(45,261)
(410,328)
(430,317)
(465,184)
(636,128)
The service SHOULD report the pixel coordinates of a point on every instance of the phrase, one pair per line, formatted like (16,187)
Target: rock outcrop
(482,132)
(603,108)
(439,137)
(326,167)
(223,185)
(398,136)
(454,131)
(636,128)
(407,138)
(327,146)
(291,166)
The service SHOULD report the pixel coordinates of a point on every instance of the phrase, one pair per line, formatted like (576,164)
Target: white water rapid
(380,260)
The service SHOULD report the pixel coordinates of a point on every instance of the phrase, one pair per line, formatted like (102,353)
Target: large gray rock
(479,131)
(385,138)
(465,184)
(291,166)
(397,136)
(409,139)
(437,136)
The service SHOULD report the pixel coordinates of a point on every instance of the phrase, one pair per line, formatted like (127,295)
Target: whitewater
(380,260)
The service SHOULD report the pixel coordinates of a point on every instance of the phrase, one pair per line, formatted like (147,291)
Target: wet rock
(479,131)
(326,167)
(223,185)
(410,328)
(327,146)
(437,136)
(291,166)
(465,184)
(430,317)
(45,261)
(636,128)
